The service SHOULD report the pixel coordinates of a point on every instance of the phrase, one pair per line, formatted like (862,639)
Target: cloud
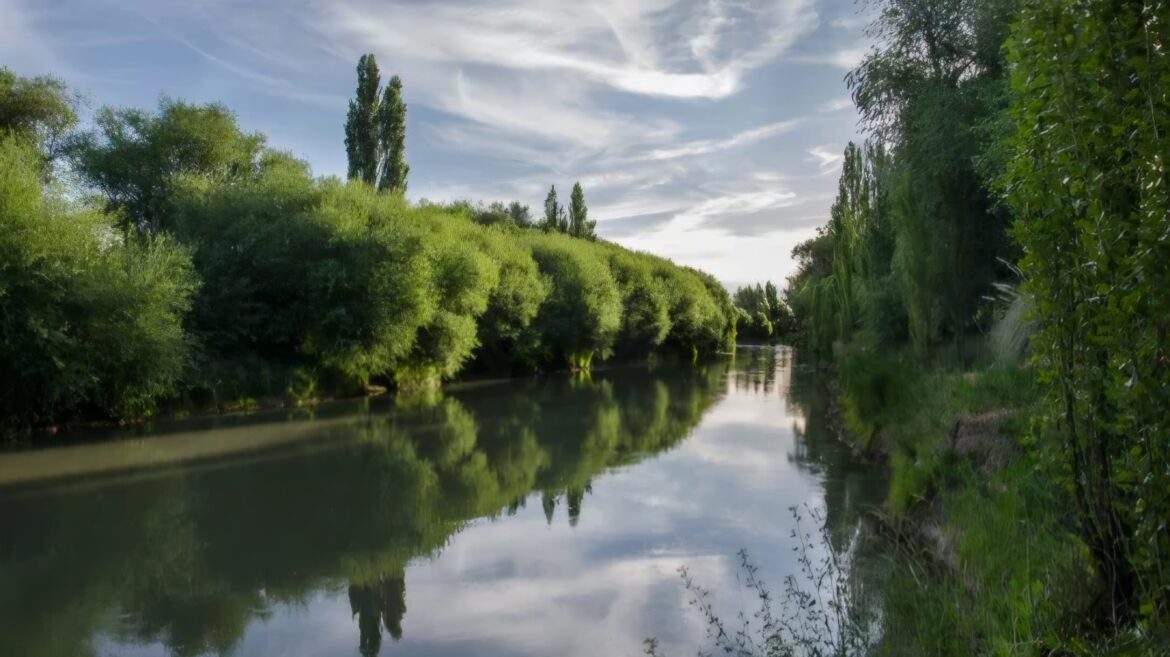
(836,105)
(846,58)
(683,119)
(826,156)
(614,43)
(707,146)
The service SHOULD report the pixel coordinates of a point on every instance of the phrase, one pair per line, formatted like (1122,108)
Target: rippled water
(542,517)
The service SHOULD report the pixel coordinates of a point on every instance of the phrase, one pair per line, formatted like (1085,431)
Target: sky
(707,131)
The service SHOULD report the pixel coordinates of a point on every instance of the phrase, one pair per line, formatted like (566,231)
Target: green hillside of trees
(169,259)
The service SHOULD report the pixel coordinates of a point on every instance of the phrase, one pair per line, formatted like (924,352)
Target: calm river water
(541,517)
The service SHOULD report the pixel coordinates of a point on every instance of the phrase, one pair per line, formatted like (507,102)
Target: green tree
(392,139)
(1088,183)
(930,87)
(552,212)
(520,214)
(40,109)
(88,321)
(579,223)
(581,317)
(136,159)
(362,130)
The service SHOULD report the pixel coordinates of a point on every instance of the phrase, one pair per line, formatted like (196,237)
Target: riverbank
(985,558)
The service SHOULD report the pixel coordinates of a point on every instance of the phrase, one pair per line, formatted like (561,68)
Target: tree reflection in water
(190,555)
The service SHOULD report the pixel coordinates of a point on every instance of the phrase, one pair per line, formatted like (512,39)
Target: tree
(552,212)
(39,109)
(579,223)
(519,214)
(375,130)
(1087,180)
(392,139)
(930,88)
(135,158)
(362,136)
(88,321)
(562,220)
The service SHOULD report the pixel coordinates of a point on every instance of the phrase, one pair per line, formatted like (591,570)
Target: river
(528,517)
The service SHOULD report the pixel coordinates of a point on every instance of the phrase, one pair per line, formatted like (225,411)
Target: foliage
(580,225)
(375,130)
(392,124)
(1087,182)
(361,123)
(646,317)
(762,314)
(90,322)
(311,287)
(135,158)
(39,109)
(582,315)
(823,612)
(553,212)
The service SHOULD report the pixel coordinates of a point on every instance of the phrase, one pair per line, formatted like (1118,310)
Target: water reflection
(247,551)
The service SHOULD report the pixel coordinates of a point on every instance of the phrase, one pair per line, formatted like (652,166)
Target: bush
(581,318)
(90,321)
(645,313)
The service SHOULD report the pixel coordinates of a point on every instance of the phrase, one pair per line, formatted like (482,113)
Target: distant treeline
(762,315)
(169,258)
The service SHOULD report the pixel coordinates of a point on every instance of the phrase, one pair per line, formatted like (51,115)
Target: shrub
(90,321)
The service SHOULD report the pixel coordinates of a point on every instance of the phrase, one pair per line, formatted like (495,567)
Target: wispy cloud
(845,59)
(706,146)
(836,105)
(827,156)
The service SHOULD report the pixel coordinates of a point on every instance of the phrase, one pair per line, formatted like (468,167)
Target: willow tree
(929,89)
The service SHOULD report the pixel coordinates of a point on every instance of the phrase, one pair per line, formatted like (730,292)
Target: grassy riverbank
(984,558)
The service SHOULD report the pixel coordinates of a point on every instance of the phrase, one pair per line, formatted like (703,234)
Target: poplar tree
(361,123)
(579,223)
(392,138)
(552,211)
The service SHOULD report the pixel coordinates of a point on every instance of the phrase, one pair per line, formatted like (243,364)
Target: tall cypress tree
(392,115)
(361,123)
(579,223)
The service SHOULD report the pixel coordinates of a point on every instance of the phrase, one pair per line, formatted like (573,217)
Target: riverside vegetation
(991,292)
(169,260)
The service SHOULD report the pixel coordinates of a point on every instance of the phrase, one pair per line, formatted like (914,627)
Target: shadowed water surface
(521,518)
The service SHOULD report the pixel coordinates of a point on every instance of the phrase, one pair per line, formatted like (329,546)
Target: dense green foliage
(39,110)
(763,316)
(1016,188)
(88,322)
(915,240)
(1088,184)
(134,158)
(225,272)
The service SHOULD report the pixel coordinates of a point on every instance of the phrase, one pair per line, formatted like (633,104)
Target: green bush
(645,313)
(89,321)
(581,318)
